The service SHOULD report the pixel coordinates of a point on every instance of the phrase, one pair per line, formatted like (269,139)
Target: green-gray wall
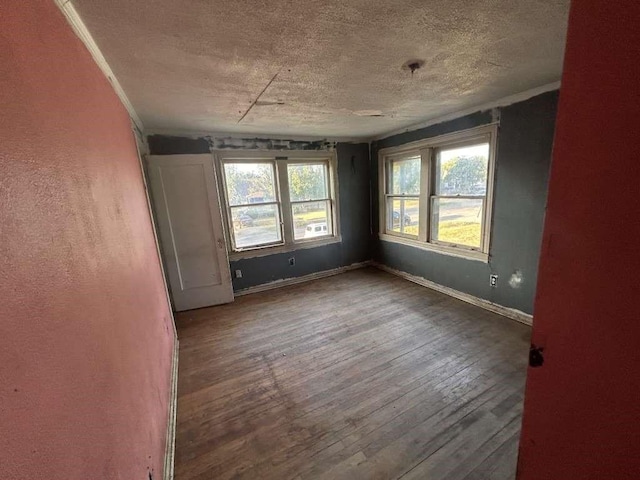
(353,195)
(525,140)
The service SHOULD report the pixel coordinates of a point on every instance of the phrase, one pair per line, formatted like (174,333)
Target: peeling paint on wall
(172,145)
(495,115)
(221,143)
(516,279)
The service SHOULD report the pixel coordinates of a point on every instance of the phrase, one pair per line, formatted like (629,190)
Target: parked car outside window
(315,230)
(396,218)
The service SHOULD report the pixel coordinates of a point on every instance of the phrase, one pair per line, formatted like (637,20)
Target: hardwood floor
(358,376)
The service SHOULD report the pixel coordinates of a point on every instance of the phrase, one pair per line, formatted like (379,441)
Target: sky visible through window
(470,151)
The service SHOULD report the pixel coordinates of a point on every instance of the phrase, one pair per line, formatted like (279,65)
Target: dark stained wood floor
(357,376)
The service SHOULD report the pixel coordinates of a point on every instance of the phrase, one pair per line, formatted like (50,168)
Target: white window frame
(280,161)
(427,149)
(389,196)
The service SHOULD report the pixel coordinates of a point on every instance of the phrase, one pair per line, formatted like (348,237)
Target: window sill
(444,250)
(263,252)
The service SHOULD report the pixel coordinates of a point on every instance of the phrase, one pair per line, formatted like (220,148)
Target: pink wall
(582,407)
(85,331)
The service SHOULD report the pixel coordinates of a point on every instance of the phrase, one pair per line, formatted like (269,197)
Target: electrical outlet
(292,261)
(238,273)
(493,280)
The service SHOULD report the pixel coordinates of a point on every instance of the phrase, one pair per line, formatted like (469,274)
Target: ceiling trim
(502,102)
(72,16)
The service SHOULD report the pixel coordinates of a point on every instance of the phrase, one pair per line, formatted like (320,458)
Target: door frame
(142,149)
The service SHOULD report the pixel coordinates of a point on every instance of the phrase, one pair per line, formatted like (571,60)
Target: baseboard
(170,448)
(306,278)
(511,313)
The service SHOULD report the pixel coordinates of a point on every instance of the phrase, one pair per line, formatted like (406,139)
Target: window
(403,194)
(459,195)
(253,204)
(310,199)
(436,193)
(278,202)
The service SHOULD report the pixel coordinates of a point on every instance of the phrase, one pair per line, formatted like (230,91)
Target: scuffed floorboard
(357,376)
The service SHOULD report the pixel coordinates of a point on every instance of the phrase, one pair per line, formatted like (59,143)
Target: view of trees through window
(461,187)
(254,203)
(251,193)
(310,204)
(454,193)
(403,200)
(249,183)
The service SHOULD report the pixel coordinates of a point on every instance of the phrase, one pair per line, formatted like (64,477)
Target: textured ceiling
(198,65)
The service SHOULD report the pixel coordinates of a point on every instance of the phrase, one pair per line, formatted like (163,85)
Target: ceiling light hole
(413,65)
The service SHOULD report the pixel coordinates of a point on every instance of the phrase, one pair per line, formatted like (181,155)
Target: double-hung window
(402,196)
(253,203)
(310,199)
(280,202)
(436,193)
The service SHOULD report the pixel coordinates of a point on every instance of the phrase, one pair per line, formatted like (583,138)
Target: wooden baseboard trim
(306,278)
(511,313)
(170,447)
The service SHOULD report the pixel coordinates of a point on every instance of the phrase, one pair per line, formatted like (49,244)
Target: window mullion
(285,202)
(472,207)
(425,178)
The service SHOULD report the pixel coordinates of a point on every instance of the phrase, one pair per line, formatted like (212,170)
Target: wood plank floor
(357,376)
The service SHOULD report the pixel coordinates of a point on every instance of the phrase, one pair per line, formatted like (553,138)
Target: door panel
(190,227)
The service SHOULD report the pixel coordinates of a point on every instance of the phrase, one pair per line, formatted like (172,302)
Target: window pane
(403,215)
(394,206)
(308,181)
(311,219)
(458,221)
(404,176)
(255,225)
(249,183)
(462,170)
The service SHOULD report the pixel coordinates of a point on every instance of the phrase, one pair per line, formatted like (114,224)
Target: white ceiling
(198,65)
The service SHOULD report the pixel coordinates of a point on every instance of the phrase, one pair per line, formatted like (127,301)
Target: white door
(187,206)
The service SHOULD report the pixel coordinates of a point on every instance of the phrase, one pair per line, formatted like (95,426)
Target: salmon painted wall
(582,406)
(85,330)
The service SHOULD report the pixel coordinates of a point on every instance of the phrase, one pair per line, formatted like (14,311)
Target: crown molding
(72,16)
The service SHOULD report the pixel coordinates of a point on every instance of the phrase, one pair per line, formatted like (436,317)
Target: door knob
(535,356)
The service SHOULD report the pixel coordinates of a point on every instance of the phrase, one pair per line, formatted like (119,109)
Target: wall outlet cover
(238,273)
(493,280)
